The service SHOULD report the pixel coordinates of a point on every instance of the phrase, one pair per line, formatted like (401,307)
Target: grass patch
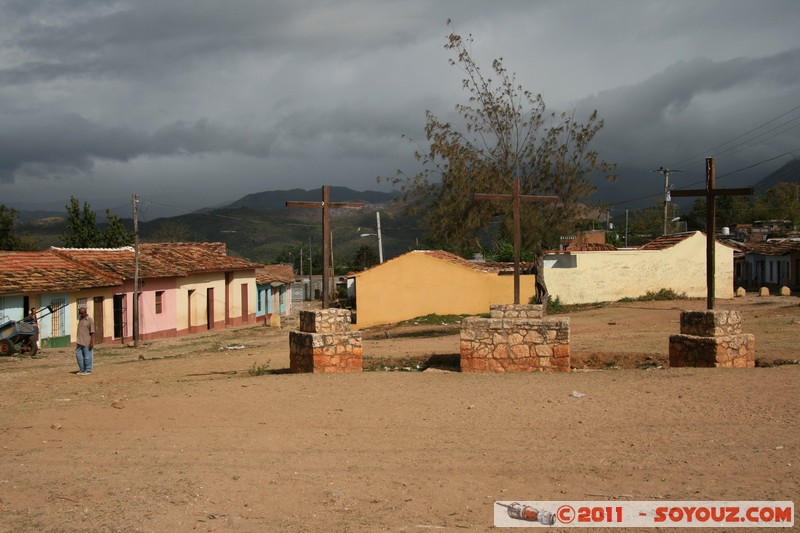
(434,319)
(661,295)
(412,363)
(259,370)
(555,307)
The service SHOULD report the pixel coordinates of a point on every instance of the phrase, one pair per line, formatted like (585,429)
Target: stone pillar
(516,338)
(325,343)
(712,339)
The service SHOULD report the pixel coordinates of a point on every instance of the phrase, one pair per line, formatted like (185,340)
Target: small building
(274,294)
(423,282)
(773,264)
(41,279)
(604,274)
(184,288)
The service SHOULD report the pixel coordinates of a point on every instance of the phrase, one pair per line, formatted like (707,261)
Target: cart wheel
(6,347)
(29,348)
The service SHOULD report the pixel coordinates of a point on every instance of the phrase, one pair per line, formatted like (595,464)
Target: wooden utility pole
(666,172)
(516,198)
(135,201)
(326,205)
(711,193)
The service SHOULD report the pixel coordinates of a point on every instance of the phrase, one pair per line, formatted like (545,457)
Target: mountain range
(259,226)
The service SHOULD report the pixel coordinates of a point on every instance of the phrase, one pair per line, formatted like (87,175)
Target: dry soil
(179,436)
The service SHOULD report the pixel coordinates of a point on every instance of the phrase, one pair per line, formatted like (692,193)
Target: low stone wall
(325,343)
(712,339)
(516,338)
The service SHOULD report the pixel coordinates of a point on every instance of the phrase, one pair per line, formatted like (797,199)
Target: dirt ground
(179,436)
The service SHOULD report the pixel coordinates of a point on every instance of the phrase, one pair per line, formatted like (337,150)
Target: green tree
(503,251)
(506,133)
(114,233)
(728,211)
(9,240)
(645,225)
(363,258)
(780,202)
(293,253)
(84,232)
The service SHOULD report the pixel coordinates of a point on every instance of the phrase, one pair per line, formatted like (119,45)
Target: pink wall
(152,324)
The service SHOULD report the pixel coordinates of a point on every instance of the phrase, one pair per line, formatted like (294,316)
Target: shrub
(662,294)
(259,370)
(554,306)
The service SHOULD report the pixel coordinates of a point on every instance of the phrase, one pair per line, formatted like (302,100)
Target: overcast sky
(196,102)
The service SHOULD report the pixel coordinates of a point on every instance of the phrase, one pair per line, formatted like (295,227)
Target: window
(81,303)
(159,302)
(58,326)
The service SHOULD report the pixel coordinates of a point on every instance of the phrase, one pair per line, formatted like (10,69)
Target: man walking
(85,342)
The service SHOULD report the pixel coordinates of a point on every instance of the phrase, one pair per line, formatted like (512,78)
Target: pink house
(184,288)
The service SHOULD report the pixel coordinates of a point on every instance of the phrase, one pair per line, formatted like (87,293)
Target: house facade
(41,279)
(274,294)
(183,288)
(676,262)
(772,264)
(423,282)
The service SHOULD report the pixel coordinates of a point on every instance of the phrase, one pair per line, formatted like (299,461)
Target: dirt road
(185,439)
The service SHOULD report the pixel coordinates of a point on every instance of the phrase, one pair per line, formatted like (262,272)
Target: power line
(748,132)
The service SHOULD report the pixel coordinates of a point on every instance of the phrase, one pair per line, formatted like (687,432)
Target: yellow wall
(108,312)
(200,283)
(243,277)
(416,284)
(609,276)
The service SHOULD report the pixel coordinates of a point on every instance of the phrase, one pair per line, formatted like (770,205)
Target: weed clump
(259,370)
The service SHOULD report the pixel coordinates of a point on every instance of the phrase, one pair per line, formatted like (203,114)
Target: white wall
(611,275)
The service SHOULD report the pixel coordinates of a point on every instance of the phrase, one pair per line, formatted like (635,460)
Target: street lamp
(380,240)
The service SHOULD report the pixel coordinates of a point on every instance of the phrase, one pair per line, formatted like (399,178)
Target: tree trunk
(541,285)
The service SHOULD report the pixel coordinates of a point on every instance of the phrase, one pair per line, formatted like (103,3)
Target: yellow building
(423,282)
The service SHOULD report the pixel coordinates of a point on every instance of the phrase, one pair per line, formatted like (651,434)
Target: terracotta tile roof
(35,272)
(592,247)
(773,248)
(158,260)
(480,266)
(121,262)
(274,274)
(194,257)
(667,241)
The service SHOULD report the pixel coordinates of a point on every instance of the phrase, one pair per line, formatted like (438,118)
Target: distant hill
(270,200)
(790,173)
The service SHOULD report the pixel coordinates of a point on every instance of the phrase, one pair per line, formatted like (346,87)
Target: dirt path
(186,439)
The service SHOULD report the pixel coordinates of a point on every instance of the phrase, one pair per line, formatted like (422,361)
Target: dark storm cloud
(164,95)
(671,109)
(59,145)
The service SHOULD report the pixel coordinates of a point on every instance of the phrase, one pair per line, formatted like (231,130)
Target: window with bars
(58,325)
(159,302)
